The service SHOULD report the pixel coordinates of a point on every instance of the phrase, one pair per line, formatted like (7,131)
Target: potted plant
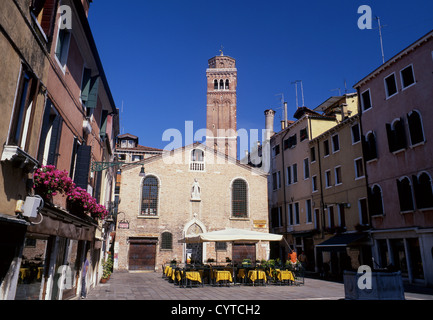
(107,269)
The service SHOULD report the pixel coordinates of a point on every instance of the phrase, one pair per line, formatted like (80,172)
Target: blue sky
(155,54)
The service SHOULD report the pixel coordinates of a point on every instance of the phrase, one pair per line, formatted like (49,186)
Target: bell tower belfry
(221,105)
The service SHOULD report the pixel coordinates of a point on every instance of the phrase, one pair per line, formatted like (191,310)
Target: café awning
(233,235)
(341,241)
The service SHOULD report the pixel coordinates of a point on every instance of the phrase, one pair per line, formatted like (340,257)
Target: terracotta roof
(127,135)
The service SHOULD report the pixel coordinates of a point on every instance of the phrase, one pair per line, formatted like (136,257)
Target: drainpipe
(284,183)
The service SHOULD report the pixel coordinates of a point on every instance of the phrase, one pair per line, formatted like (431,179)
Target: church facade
(194,189)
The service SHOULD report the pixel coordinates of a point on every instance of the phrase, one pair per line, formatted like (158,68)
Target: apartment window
(290,213)
(407,77)
(331,221)
(313,154)
(289,175)
(423,189)
(314,183)
(396,135)
(22,117)
(290,142)
(370,150)
(375,200)
(359,168)
(338,179)
(335,143)
(356,136)
(166,241)
(43,11)
(303,134)
(306,169)
(405,197)
(240,199)
(62,47)
(295,172)
(309,211)
(328,182)
(276,150)
(149,196)
(50,135)
(276,180)
(390,86)
(276,217)
(296,207)
(363,211)
(316,218)
(416,130)
(341,215)
(326,148)
(366,100)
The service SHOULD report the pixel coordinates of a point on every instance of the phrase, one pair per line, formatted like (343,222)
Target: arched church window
(221,84)
(227,84)
(149,197)
(215,84)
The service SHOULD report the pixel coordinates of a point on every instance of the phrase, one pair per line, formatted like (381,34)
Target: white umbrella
(232,235)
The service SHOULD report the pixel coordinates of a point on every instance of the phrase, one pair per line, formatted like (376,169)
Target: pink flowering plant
(49,182)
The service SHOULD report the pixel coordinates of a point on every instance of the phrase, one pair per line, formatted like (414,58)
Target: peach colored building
(396,110)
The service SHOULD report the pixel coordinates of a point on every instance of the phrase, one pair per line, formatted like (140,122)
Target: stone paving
(151,286)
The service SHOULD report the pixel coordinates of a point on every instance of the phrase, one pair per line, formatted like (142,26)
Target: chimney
(344,112)
(269,123)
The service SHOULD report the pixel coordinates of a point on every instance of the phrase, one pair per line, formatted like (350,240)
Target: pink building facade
(396,110)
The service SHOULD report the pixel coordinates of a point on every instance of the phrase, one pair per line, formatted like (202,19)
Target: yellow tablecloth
(254,275)
(193,276)
(168,271)
(177,275)
(24,272)
(223,275)
(285,275)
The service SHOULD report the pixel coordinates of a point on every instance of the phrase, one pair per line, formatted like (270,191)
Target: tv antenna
(302,92)
(380,37)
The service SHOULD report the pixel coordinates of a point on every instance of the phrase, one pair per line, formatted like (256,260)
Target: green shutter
(104,118)
(85,87)
(93,93)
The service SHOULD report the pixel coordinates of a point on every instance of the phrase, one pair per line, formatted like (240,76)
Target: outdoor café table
(169,272)
(193,276)
(285,275)
(254,275)
(221,275)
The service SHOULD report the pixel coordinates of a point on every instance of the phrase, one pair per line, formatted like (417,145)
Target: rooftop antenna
(302,92)
(282,105)
(122,130)
(380,37)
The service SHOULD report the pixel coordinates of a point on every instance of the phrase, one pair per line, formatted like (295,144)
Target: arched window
(396,135)
(405,194)
(240,198)
(376,203)
(166,241)
(221,84)
(197,160)
(370,146)
(422,186)
(215,84)
(227,84)
(149,197)
(415,127)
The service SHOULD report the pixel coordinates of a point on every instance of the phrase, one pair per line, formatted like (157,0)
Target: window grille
(239,199)
(149,202)
(167,241)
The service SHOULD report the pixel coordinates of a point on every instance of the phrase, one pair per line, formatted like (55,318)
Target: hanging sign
(123,224)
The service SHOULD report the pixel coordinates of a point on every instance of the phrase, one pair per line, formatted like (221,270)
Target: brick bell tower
(221,104)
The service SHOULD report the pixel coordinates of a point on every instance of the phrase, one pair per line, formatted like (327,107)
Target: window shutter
(401,135)
(56,131)
(390,134)
(93,93)
(82,166)
(44,130)
(85,87)
(104,118)
(418,191)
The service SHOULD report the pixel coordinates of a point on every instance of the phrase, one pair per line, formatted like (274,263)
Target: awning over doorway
(341,241)
(232,235)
